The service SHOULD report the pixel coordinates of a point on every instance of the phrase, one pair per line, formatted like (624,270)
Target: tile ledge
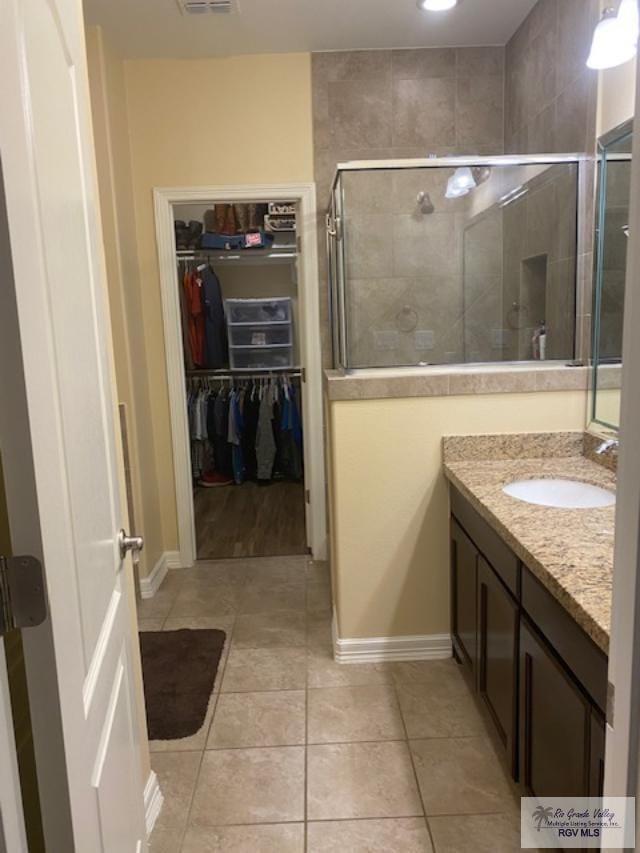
(453,380)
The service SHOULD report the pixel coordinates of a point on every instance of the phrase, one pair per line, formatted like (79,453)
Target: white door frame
(623,730)
(305,195)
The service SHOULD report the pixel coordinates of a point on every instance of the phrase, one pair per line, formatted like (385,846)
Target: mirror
(612,238)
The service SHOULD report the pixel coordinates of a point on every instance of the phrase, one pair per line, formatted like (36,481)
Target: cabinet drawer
(503,561)
(581,655)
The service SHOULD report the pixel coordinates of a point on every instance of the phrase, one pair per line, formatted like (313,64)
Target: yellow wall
(390,531)
(194,123)
(178,123)
(111,132)
(616,96)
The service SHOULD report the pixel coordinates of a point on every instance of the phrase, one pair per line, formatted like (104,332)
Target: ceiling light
(611,44)
(436,5)
(628,18)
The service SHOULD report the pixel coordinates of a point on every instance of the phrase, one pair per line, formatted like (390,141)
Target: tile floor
(299,753)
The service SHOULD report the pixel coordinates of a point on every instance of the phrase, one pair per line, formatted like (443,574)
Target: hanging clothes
(265,441)
(251,431)
(204,328)
(192,289)
(250,413)
(216,347)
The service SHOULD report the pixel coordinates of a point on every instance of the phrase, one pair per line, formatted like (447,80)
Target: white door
(622,761)
(60,303)
(12,835)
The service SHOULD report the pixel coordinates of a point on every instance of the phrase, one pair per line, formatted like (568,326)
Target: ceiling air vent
(201,7)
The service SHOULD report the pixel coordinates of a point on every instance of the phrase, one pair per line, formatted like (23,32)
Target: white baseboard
(173,559)
(150,585)
(153,801)
(385,649)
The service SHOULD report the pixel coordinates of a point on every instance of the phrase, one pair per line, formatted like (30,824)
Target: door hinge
(303,374)
(299,243)
(611,703)
(22,598)
(307,495)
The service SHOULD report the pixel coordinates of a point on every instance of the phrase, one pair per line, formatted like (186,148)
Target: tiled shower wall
(401,103)
(550,105)
(534,96)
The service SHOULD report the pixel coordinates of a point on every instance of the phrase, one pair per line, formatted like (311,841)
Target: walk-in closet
(237,278)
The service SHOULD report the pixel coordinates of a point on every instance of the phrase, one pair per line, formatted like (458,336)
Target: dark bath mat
(178,669)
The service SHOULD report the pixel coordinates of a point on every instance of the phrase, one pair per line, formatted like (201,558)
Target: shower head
(425,204)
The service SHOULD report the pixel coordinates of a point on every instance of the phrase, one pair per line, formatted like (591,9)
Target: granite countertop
(569,550)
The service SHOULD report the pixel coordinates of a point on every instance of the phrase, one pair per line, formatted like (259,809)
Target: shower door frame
(165,199)
(586,193)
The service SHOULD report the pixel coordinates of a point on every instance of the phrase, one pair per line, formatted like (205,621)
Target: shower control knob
(129,543)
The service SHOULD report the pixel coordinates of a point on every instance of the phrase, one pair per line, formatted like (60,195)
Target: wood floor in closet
(250,521)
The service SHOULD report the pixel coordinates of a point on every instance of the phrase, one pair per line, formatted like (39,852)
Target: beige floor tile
(251,670)
(319,598)
(151,624)
(280,628)
(166,841)
(495,833)
(360,780)
(260,597)
(288,570)
(404,835)
(420,670)
(268,838)
(238,786)
(460,776)
(177,772)
(349,714)
(162,601)
(201,598)
(194,743)
(323,671)
(218,571)
(441,705)
(319,629)
(318,571)
(258,719)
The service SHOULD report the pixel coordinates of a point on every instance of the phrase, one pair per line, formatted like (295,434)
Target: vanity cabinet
(555,721)
(464,558)
(498,625)
(541,678)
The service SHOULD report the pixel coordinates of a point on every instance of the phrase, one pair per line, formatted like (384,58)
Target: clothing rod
(244,374)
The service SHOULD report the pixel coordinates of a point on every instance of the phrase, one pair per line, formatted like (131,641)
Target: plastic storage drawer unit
(260,358)
(275,310)
(259,334)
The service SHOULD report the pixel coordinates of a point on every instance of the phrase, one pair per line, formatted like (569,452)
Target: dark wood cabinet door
(596,758)
(498,629)
(554,723)
(463,594)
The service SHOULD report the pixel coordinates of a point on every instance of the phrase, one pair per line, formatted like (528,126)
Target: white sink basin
(565,494)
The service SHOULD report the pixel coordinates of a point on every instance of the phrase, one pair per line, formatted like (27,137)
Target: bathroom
(415,640)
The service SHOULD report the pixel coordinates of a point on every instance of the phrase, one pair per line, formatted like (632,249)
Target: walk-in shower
(455,260)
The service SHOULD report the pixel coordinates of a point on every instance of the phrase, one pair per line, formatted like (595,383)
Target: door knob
(129,543)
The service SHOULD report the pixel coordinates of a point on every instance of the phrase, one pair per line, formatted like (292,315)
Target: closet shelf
(241,257)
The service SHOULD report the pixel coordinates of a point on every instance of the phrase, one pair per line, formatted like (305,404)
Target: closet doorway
(238,269)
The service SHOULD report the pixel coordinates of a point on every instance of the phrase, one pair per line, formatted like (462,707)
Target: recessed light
(615,37)
(436,5)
